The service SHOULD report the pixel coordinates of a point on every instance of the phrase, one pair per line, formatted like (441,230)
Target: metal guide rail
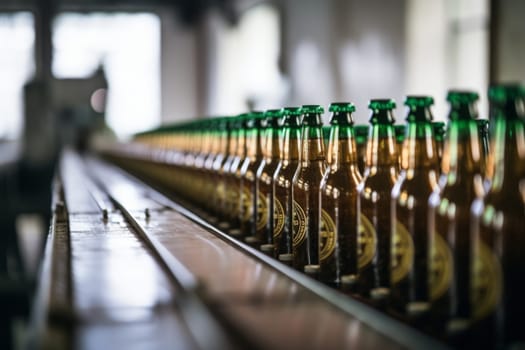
(254,295)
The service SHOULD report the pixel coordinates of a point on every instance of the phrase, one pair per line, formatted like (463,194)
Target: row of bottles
(428,223)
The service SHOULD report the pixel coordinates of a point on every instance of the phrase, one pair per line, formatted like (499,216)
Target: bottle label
(486,281)
(278,218)
(326,236)
(366,241)
(402,252)
(233,200)
(440,267)
(247,209)
(220,193)
(262,211)
(299,224)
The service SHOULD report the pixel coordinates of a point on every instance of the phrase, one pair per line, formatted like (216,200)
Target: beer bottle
(209,179)
(449,213)
(417,180)
(497,227)
(234,176)
(375,233)
(272,162)
(284,219)
(217,168)
(338,230)
(361,136)
(305,192)
(249,212)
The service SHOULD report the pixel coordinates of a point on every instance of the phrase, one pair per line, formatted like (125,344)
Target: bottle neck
(273,145)
(312,145)
(381,151)
(341,147)
(253,146)
(419,148)
(507,166)
(462,159)
(241,143)
(291,143)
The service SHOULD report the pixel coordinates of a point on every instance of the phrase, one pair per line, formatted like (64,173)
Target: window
(128,46)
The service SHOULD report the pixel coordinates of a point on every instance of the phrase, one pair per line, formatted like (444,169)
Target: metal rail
(204,327)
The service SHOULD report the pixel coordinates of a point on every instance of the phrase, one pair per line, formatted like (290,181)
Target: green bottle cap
(273,117)
(503,93)
(292,116)
(312,109)
(292,111)
(382,111)
(419,101)
(341,107)
(419,108)
(462,97)
(382,104)
(312,115)
(256,120)
(462,105)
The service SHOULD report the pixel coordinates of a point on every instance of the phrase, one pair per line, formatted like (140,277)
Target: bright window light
(16,67)
(128,46)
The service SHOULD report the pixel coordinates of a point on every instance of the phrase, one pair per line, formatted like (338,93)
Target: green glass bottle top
(341,107)
(503,93)
(382,111)
(292,111)
(382,104)
(273,118)
(462,105)
(342,113)
(419,101)
(462,97)
(419,108)
(312,109)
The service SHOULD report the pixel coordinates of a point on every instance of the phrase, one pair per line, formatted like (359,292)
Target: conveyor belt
(150,273)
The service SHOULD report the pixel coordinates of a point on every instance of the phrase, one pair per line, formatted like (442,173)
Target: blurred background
(171,60)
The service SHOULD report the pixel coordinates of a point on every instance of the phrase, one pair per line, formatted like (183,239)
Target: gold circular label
(278,218)
(402,253)
(366,241)
(220,193)
(326,236)
(232,198)
(247,209)
(440,267)
(299,224)
(486,281)
(262,211)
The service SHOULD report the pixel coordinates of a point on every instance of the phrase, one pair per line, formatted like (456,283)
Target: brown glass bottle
(266,173)
(417,181)
(222,170)
(223,134)
(250,198)
(234,187)
(375,236)
(449,214)
(283,179)
(497,228)
(338,253)
(305,192)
